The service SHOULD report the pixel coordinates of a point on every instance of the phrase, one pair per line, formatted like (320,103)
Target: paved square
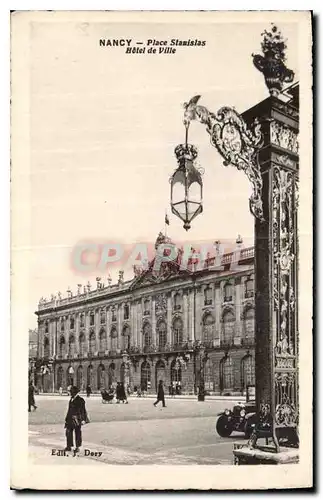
(183,433)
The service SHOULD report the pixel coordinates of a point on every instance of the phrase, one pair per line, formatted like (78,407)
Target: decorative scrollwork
(236,143)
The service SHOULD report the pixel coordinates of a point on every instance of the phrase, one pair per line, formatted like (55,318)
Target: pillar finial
(272,63)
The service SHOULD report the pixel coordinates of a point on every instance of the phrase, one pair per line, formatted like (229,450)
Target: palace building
(187,326)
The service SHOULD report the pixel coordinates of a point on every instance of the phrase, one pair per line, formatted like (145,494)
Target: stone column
(276,262)
(217,310)
(139,323)
(153,321)
(119,324)
(185,315)
(169,319)
(238,310)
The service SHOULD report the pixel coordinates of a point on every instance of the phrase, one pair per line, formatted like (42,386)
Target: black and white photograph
(161,250)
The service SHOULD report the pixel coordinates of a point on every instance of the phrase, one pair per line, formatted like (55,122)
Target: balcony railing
(248,341)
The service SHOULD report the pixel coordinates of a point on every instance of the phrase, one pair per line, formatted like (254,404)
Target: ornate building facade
(179,325)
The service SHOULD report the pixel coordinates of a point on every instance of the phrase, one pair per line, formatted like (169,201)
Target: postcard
(161,214)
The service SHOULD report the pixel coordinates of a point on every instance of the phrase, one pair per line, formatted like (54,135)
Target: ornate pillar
(276,264)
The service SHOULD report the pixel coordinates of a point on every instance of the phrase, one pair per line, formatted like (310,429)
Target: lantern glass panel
(195,192)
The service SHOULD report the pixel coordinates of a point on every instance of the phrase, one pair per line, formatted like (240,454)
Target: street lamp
(186,185)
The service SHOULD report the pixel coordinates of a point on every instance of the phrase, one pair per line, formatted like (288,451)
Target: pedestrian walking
(160,394)
(88,391)
(121,393)
(76,417)
(31,396)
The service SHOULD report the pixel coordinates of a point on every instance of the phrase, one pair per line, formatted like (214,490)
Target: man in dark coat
(76,417)
(160,394)
(31,396)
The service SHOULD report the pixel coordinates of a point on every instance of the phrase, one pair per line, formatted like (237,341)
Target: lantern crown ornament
(272,63)
(186,185)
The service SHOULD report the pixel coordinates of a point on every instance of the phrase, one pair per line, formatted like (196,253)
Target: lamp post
(263,143)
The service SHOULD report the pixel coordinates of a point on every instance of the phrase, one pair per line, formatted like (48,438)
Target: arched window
(146,307)
(126,337)
(46,347)
(89,376)
(145,376)
(101,377)
(247,371)
(80,378)
(91,318)
(147,334)
(249,288)
(208,328)
(82,320)
(102,340)
(126,312)
(208,296)
(72,323)
(92,343)
(61,346)
(249,325)
(111,375)
(228,327)
(178,301)
(70,376)
(228,292)
(46,326)
(71,346)
(82,344)
(60,377)
(226,374)
(175,372)
(114,339)
(160,372)
(102,316)
(178,331)
(162,334)
(208,376)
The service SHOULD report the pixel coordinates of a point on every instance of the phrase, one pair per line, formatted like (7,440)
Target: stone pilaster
(153,321)
(238,311)
(217,312)
(185,315)
(169,319)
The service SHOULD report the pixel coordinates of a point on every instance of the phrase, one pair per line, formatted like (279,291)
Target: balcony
(248,342)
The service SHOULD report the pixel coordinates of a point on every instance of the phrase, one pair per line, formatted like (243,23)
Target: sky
(103,128)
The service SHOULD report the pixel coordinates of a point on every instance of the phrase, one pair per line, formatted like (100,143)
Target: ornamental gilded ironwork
(236,143)
(284,136)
